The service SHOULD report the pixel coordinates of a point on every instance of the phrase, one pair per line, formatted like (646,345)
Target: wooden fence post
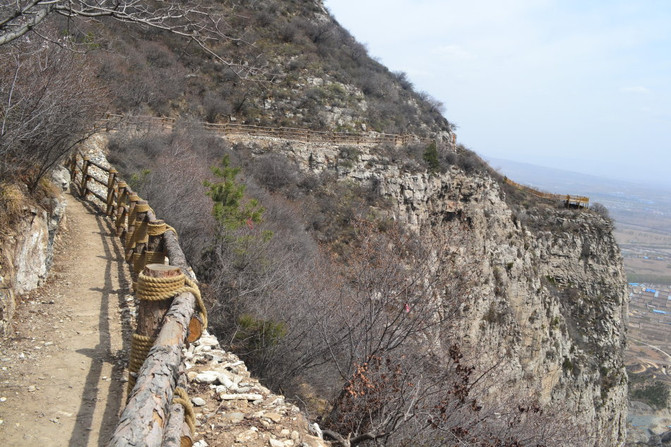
(156,243)
(73,168)
(110,191)
(137,237)
(121,208)
(144,419)
(133,199)
(140,256)
(151,313)
(85,177)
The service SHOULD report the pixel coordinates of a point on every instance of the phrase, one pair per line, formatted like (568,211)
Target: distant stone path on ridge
(61,373)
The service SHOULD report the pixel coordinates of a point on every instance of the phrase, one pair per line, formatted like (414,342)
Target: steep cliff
(546,298)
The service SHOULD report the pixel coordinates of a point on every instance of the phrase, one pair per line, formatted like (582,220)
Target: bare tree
(404,378)
(49,101)
(602,211)
(193,20)
(183,18)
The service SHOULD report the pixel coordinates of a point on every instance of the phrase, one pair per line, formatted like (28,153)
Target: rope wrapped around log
(140,235)
(133,198)
(139,349)
(158,289)
(182,398)
(122,211)
(141,260)
(158,228)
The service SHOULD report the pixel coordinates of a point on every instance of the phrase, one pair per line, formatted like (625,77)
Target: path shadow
(102,353)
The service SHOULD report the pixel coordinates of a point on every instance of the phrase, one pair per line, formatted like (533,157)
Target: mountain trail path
(62,371)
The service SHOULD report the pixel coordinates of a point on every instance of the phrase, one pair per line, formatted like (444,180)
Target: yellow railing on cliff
(170,312)
(568,200)
(113,121)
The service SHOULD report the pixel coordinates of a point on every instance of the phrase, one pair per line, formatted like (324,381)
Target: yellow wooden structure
(569,200)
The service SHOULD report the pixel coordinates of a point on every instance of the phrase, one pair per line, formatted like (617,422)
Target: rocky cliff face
(26,252)
(546,298)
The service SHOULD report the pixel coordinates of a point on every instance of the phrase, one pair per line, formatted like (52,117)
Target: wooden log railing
(568,200)
(113,121)
(150,417)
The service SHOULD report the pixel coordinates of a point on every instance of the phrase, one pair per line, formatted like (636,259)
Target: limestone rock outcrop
(26,252)
(546,299)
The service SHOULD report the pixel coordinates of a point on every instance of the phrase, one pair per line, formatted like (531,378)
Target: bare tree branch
(49,100)
(190,19)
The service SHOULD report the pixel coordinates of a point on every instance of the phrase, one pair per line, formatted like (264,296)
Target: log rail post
(111,191)
(121,209)
(83,189)
(145,417)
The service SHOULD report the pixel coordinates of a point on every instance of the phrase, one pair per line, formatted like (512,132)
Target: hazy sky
(576,84)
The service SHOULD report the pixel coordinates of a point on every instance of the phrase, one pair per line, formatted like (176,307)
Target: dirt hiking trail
(61,373)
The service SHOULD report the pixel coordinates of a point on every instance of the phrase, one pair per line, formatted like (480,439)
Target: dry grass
(12,202)
(46,189)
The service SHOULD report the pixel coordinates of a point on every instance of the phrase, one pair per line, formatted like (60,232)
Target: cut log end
(195,328)
(161,270)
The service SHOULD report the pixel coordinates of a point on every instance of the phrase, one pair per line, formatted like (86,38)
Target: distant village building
(650,314)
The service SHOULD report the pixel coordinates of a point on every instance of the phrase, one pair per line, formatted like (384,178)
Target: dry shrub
(12,202)
(49,101)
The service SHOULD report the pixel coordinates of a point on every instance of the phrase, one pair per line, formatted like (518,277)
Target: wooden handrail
(580,201)
(146,415)
(156,380)
(97,180)
(290,133)
(99,166)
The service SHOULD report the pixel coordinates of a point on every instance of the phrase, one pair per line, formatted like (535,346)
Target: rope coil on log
(139,349)
(133,198)
(140,234)
(182,398)
(122,209)
(158,289)
(158,228)
(141,260)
